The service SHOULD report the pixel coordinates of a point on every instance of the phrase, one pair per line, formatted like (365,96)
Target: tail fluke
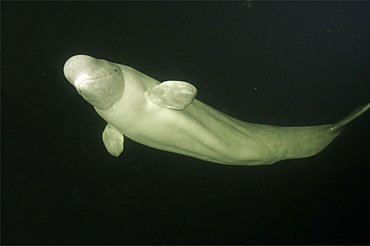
(310,140)
(353,115)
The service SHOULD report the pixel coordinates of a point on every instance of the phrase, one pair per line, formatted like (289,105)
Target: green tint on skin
(99,82)
(167,116)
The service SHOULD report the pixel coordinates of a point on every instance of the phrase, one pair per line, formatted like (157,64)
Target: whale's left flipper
(172,94)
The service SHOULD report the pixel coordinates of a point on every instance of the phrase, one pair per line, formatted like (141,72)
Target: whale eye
(115,68)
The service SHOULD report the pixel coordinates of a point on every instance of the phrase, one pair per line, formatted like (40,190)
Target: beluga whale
(166,116)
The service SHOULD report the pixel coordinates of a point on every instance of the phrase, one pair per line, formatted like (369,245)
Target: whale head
(99,82)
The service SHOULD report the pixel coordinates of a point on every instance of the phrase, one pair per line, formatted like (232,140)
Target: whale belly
(205,133)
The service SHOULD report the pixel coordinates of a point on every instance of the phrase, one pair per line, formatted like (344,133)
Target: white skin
(117,93)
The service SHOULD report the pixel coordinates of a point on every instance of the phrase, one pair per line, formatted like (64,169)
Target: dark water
(290,63)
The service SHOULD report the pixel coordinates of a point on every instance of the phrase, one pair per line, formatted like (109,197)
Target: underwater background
(277,63)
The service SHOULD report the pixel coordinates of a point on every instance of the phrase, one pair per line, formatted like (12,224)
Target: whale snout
(77,68)
(98,81)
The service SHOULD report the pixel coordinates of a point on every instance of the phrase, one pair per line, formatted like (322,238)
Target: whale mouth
(90,90)
(78,83)
(85,86)
(95,89)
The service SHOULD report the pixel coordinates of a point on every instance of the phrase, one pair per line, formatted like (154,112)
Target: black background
(279,63)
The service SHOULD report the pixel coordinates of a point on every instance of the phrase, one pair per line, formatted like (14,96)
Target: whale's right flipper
(113,140)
